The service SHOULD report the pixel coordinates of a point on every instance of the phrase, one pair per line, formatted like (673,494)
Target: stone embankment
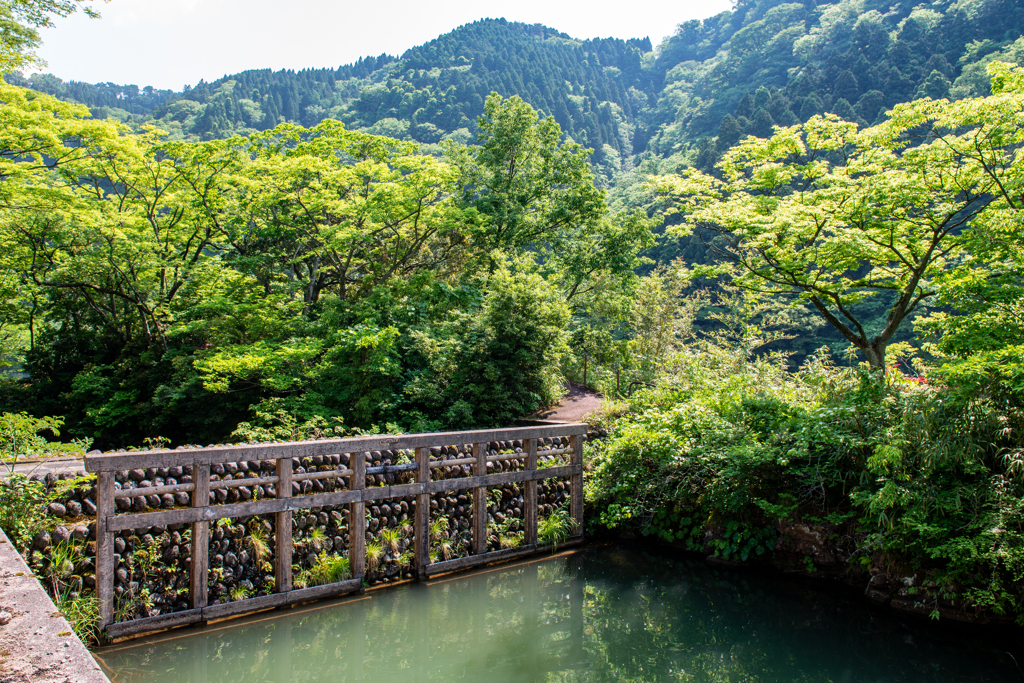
(152,563)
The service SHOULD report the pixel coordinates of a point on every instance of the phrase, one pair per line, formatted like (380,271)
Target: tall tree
(836,216)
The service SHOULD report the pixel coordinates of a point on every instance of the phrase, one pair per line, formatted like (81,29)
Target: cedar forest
(785,244)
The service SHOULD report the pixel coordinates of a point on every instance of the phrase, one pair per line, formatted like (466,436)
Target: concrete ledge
(37,644)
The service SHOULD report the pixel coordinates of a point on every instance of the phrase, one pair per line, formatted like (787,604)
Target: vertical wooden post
(283,530)
(357,517)
(480,500)
(421,533)
(105,548)
(576,483)
(530,499)
(200,536)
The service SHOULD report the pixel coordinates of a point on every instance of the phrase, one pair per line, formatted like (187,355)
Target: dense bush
(909,477)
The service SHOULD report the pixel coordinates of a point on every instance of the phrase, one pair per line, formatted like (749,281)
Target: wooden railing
(356,496)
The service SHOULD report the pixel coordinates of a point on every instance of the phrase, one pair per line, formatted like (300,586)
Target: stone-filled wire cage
(196,534)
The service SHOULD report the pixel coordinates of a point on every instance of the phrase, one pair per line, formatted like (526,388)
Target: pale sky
(170,43)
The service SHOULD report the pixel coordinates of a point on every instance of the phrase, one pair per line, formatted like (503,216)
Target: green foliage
(329,568)
(919,478)
(555,528)
(20,436)
(291,284)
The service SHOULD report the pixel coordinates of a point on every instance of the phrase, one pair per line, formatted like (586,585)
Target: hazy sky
(170,43)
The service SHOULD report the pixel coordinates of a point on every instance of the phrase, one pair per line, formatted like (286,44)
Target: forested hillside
(690,98)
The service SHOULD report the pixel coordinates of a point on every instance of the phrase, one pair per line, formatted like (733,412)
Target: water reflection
(605,614)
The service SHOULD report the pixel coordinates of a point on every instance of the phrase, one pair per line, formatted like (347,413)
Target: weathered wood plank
(392,469)
(283,530)
(377,493)
(148,624)
(231,609)
(530,496)
(303,476)
(480,500)
(454,462)
(477,560)
(302,449)
(576,481)
(269,451)
(235,483)
(105,548)
(421,527)
(200,538)
(357,518)
(153,490)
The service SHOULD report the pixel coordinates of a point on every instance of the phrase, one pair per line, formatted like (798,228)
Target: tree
(19,20)
(530,184)
(981,334)
(538,195)
(837,216)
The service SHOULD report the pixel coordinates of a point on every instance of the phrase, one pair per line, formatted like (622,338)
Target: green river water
(606,613)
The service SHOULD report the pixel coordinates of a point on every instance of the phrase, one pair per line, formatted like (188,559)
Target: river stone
(61,534)
(230,559)
(80,532)
(121,575)
(217,560)
(119,545)
(181,498)
(88,507)
(42,540)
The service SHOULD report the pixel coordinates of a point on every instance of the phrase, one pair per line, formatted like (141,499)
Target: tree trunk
(875,351)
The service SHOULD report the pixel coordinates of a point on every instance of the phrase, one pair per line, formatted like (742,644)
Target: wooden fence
(356,495)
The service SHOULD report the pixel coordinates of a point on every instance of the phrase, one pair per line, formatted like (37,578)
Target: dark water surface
(608,613)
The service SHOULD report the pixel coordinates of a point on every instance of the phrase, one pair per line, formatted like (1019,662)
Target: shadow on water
(612,613)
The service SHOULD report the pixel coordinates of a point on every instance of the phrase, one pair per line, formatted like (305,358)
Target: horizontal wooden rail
(100,462)
(361,488)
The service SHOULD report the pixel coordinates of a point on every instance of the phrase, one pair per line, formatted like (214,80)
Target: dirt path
(574,406)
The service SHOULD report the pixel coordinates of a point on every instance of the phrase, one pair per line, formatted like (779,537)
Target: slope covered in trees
(693,96)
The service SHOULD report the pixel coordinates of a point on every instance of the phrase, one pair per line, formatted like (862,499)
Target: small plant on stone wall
(136,601)
(374,555)
(404,560)
(328,568)
(555,528)
(238,593)
(506,537)
(82,611)
(316,538)
(258,545)
(439,528)
(391,538)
